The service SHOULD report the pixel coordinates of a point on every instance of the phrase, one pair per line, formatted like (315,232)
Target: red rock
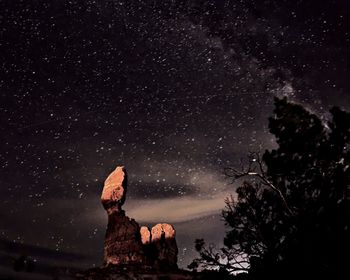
(162,229)
(125,242)
(122,242)
(145,235)
(114,190)
(163,237)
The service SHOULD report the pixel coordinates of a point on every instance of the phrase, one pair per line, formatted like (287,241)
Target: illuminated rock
(163,237)
(122,242)
(125,242)
(145,235)
(114,190)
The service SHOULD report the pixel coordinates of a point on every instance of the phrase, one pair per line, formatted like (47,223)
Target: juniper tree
(291,215)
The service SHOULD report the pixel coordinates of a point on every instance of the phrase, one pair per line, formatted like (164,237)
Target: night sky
(173,90)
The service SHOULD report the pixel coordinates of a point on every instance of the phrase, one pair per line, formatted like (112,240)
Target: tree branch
(254,162)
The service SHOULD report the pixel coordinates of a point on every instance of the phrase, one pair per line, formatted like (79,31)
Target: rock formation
(145,235)
(125,242)
(163,236)
(122,243)
(114,190)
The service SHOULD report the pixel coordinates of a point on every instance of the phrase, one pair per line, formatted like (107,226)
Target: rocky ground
(133,273)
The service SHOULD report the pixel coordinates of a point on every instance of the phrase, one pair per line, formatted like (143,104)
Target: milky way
(173,90)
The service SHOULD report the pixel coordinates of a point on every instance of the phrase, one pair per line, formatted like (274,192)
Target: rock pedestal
(122,242)
(125,242)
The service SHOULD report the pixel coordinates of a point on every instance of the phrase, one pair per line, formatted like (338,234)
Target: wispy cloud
(209,190)
(173,210)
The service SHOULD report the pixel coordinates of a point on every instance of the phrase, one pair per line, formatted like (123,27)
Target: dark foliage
(291,216)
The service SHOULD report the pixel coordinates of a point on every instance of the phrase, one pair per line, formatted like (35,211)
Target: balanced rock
(125,242)
(122,243)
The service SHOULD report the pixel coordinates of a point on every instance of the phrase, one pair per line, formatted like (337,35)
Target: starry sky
(173,90)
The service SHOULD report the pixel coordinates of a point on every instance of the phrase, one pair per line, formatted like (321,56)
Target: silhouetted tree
(291,215)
